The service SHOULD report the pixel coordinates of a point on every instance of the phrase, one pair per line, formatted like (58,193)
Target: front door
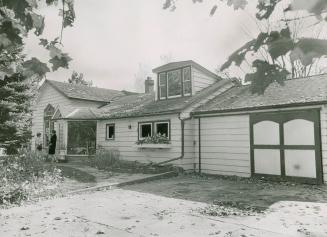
(286,145)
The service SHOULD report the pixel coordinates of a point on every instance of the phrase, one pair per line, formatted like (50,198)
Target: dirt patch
(247,195)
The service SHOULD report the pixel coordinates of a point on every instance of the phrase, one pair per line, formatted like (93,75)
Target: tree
(19,74)
(79,79)
(277,53)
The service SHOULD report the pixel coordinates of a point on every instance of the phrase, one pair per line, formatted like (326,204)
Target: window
(145,130)
(162,128)
(110,131)
(149,129)
(187,81)
(162,86)
(174,79)
(175,83)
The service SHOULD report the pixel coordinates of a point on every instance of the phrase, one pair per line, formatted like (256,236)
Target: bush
(104,159)
(25,176)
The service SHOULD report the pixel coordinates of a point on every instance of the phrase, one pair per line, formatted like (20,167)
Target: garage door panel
(267,161)
(266,132)
(300,163)
(299,132)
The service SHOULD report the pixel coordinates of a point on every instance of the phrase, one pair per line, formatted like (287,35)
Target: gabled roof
(85,92)
(175,65)
(69,112)
(294,92)
(145,104)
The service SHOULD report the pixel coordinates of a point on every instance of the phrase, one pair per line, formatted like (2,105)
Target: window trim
(159,86)
(153,127)
(107,131)
(181,69)
(139,129)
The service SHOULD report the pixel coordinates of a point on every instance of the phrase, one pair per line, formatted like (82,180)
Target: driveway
(121,212)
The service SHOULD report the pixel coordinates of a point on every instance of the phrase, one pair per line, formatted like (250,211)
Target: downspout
(183,144)
(199,145)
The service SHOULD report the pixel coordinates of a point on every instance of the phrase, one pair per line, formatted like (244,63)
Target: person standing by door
(38,145)
(52,146)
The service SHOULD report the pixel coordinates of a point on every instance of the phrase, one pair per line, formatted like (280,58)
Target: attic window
(175,83)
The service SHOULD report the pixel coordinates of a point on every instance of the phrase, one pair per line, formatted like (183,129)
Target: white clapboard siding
(49,95)
(126,138)
(200,80)
(225,145)
(323,121)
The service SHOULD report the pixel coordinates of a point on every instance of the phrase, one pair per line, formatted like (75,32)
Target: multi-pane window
(110,131)
(162,86)
(148,129)
(187,81)
(175,83)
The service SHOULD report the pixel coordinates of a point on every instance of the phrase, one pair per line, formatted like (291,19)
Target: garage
(286,145)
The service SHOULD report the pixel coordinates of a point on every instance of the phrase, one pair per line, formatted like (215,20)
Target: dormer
(180,79)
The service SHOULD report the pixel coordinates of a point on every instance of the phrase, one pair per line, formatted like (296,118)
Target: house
(213,125)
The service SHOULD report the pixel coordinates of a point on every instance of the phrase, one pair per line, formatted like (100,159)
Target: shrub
(25,176)
(104,158)
(155,139)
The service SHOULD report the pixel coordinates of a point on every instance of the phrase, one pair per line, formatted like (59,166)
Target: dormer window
(175,83)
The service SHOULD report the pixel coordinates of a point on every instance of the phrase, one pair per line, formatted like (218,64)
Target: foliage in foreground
(279,51)
(26,176)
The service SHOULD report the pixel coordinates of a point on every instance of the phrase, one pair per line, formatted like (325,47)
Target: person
(52,145)
(38,144)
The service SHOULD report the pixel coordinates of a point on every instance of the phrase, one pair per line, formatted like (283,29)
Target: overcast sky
(110,38)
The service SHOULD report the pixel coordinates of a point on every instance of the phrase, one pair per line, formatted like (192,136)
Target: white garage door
(286,145)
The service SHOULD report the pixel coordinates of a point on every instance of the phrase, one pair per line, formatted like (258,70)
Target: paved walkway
(123,213)
(79,176)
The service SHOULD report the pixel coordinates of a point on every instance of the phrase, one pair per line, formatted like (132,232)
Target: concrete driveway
(120,212)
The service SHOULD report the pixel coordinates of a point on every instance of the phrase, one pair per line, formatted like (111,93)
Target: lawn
(241,193)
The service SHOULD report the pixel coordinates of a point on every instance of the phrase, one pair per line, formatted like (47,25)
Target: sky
(112,38)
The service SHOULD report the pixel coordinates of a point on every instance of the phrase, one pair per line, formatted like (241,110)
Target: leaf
(36,66)
(4,41)
(264,75)
(313,6)
(58,62)
(12,32)
(266,8)
(238,4)
(38,23)
(213,10)
(44,42)
(307,49)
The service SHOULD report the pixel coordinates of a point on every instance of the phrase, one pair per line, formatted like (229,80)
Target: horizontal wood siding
(48,95)
(225,145)
(323,124)
(125,139)
(189,145)
(200,80)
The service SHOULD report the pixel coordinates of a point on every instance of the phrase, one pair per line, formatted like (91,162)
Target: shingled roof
(145,104)
(294,92)
(87,93)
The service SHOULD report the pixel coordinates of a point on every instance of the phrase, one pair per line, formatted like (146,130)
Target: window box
(153,146)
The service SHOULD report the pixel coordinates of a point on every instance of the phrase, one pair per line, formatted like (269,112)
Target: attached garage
(286,145)
(286,131)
